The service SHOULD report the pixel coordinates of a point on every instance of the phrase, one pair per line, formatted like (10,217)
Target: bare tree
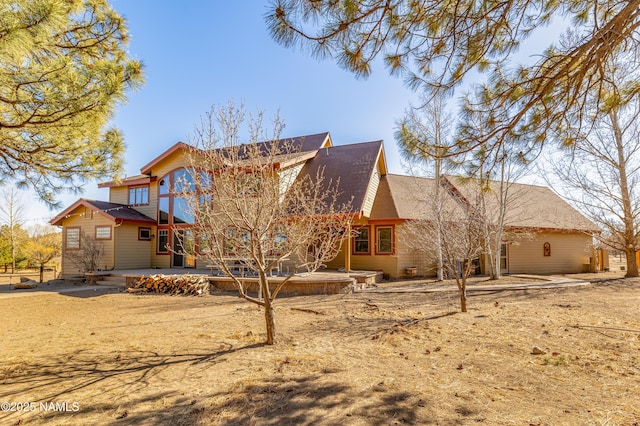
(598,167)
(460,234)
(12,211)
(88,256)
(256,205)
(423,136)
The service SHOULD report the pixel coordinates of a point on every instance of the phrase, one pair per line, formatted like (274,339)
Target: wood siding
(87,224)
(569,253)
(372,190)
(131,253)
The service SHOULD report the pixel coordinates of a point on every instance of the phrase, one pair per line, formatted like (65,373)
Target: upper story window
(172,208)
(139,195)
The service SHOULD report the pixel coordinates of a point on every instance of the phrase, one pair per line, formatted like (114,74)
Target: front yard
(106,357)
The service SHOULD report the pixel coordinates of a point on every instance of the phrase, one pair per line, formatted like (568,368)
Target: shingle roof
(112,211)
(529,206)
(352,164)
(408,197)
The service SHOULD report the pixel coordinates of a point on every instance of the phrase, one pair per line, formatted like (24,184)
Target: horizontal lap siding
(87,223)
(131,253)
(569,252)
(385,263)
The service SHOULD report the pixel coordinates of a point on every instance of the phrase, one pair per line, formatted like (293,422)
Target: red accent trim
(393,240)
(95,233)
(66,237)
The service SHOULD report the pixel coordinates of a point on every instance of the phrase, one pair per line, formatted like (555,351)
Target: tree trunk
(463,295)
(632,265)
(41,272)
(270,321)
(463,300)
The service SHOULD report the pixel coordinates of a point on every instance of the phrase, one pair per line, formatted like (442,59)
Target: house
(144,218)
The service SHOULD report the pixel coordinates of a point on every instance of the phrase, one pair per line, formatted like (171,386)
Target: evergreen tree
(63,69)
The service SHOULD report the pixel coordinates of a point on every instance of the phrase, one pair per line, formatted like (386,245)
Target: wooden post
(346,246)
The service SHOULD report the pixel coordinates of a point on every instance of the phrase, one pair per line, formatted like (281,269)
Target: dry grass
(361,359)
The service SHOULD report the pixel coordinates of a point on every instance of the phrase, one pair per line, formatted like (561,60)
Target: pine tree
(63,69)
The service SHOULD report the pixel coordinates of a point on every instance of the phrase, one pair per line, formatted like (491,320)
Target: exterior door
(504,258)
(182,242)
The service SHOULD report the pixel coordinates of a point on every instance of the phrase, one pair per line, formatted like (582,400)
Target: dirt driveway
(105,357)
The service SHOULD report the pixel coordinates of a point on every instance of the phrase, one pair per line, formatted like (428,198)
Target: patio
(320,282)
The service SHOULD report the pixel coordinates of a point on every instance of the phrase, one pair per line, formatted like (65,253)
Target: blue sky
(200,53)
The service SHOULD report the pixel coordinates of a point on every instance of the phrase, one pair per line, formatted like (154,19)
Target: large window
(173,209)
(384,239)
(361,241)
(72,239)
(139,195)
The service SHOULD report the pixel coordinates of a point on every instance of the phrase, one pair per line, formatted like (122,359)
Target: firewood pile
(187,285)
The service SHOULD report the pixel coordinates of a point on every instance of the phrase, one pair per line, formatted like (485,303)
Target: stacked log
(187,285)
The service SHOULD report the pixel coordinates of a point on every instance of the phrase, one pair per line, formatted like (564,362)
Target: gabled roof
(177,147)
(353,165)
(408,197)
(112,211)
(529,206)
(129,181)
(298,144)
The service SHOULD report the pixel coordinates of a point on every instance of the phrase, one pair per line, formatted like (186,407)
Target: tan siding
(130,252)
(385,263)
(170,163)
(569,252)
(87,222)
(409,257)
(288,176)
(119,195)
(150,210)
(371,193)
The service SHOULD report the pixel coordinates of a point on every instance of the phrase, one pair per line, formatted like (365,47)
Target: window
(103,232)
(139,195)
(72,240)
(233,242)
(144,233)
(172,208)
(163,211)
(181,212)
(163,241)
(384,240)
(361,241)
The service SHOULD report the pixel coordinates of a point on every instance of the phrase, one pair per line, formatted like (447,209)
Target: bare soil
(107,357)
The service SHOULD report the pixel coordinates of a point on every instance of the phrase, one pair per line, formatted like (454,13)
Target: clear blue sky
(200,53)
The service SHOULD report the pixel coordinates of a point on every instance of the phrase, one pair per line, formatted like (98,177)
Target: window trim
(144,228)
(109,227)
(66,238)
(393,242)
(353,244)
(134,187)
(167,250)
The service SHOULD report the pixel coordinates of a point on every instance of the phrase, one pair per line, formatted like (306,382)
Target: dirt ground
(108,357)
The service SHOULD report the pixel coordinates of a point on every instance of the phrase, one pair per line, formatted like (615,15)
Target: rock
(25,286)
(537,351)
